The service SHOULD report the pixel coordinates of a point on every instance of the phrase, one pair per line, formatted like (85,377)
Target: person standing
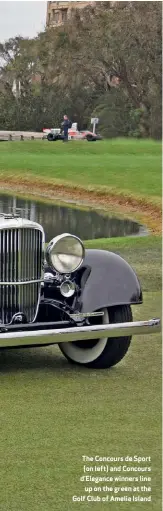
(66,125)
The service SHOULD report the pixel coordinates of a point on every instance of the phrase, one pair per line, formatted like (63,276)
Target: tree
(124,41)
(117,116)
(102,56)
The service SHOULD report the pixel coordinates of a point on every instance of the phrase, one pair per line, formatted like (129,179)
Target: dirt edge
(140,210)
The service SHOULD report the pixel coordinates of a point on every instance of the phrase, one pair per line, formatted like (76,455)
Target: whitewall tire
(105,352)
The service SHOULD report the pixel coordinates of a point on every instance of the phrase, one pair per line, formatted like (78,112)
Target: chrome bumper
(56,336)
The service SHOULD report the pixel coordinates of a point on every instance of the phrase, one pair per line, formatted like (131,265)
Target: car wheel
(50,137)
(101,353)
(89,138)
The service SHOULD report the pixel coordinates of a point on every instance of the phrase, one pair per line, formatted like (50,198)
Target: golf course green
(118,165)
(52,414)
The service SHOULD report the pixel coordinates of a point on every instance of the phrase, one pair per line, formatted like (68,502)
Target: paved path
(20,135)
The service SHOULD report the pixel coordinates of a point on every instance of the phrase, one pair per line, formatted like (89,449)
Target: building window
(55,16)
(64,14)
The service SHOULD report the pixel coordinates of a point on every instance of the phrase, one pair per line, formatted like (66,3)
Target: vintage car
(52,135)
(66,295)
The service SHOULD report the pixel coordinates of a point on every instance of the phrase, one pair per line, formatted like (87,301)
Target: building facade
(59,12)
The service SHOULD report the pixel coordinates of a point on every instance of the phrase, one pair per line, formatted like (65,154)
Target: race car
(73,134)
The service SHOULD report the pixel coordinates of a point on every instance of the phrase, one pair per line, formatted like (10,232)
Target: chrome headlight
(65,253)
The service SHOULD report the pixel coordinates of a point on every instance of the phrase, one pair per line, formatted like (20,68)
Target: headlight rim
(49,249)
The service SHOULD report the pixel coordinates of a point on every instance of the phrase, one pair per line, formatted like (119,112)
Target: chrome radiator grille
(20,272)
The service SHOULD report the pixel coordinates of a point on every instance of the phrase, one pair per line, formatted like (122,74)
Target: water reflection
(57,219)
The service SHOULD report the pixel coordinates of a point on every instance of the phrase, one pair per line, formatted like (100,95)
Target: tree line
(104,62)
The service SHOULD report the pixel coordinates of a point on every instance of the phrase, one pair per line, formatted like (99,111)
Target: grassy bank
(52,414)
(121,166)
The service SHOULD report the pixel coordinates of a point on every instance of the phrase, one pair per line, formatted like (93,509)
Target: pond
(56,219)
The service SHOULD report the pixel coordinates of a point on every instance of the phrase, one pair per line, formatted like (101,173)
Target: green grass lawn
(125,166)
(52,413)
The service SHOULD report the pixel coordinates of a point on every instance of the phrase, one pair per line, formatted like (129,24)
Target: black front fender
(107,280)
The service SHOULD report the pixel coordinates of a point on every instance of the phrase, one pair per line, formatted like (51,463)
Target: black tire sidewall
(89,138)
(50,137)
(117,347)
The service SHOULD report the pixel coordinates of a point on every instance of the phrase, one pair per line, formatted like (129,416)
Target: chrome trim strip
(21,283)
(56,336)
(19,223)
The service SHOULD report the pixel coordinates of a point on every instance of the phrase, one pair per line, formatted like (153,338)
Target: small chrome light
(48,277)
(65,253)
(67,288)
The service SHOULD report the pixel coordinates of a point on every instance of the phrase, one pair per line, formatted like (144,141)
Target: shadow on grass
(21,360)
(27,359)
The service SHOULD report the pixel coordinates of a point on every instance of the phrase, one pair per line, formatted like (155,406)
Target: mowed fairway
(52,413)
(124,166)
